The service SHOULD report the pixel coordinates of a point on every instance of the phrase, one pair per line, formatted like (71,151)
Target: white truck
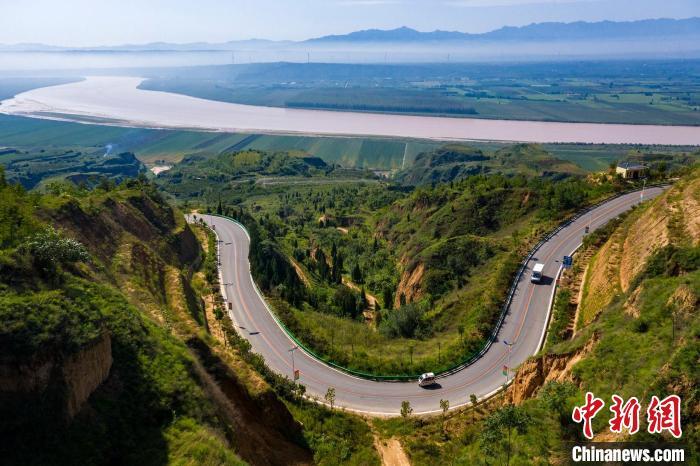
(536,276)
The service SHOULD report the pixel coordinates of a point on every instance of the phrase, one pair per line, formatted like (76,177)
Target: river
(118,101)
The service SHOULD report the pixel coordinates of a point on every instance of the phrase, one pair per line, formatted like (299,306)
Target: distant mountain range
(577,31)
(534,32)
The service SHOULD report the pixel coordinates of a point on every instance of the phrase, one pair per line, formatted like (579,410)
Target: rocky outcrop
(537,371)
(79,374)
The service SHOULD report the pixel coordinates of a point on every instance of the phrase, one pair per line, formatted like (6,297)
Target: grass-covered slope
(645,320)
(53,306)
(457,161)
(554,161)
(82,166)
(377,275)
(643,340)
(80,266)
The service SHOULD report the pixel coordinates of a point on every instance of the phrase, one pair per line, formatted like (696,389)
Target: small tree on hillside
(555,397)
(357,274)
(444,406)
(499,427)
(330,397)
(337,269)
(388,297)
(474,401)
(406,410)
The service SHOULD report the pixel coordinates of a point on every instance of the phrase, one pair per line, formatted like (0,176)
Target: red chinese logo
(624,415)
(587,412)
(665,415)
(662,415)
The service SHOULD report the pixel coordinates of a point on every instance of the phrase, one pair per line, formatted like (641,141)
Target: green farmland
(633,92)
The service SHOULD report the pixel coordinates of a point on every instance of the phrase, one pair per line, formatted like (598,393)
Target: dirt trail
(300,272)
(391,452)
(371,299)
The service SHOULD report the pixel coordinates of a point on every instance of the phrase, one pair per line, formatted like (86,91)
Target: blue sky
(102,22)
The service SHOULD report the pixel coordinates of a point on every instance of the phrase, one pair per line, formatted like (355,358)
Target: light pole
(510,346)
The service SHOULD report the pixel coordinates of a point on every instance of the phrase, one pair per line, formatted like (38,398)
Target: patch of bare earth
(369,313)
(684,300)
(631,306)
(409,285)
(300,273)
(371,300)
(391,452)
(537,371)
(690,205)
(602,280)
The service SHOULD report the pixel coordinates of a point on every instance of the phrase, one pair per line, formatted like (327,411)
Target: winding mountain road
(524,325)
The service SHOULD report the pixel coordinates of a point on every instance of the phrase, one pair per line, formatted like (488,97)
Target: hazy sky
(102,22)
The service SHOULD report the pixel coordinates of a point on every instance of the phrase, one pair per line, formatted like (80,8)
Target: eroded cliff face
(78,374)
(84,371)
(537,371)
(264,431)
(410,285)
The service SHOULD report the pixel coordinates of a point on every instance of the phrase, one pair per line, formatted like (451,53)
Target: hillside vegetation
(96,287)
(86,166)
(455,161)
(642,340)
(394,281)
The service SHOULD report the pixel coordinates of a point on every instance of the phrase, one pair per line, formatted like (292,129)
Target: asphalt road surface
(524,325)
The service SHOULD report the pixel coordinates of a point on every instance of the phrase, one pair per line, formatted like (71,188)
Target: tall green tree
(337,269)
(323,269)
(388,297)
(357,274)
(499,427)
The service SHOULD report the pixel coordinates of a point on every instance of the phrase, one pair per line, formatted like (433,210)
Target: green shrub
(406,322)
(49,250)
